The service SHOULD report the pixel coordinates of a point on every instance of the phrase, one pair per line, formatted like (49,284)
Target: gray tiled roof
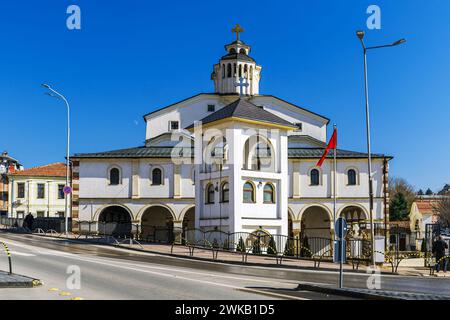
(238,56)
(317,153)
(241,108)
(139,152)
(166,152)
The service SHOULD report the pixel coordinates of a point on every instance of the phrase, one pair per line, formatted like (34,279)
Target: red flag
(332,144)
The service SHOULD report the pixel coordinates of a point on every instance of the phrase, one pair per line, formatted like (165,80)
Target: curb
(345,292)
(366,294)
(24,282)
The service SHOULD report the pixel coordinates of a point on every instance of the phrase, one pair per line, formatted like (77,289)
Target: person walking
(28,221)
(439,247)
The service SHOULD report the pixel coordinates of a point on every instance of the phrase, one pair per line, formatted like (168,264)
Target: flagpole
(334,183)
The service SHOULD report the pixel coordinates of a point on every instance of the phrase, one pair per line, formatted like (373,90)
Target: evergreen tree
(444,190)
(398,207)
(420,192)
(429,192)
(256,249)
(272,249)
(241,245)
(305,250)
(289,248)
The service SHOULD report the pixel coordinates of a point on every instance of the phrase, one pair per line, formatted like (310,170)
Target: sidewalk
(236,258)
(255,260)
(17,281)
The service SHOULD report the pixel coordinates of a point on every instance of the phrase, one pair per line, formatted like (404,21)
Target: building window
(225,192)
(60,191)
(269,193)
(249,192)
(20,214)
(315,178)
(351,176)
(156,177)
(21,190)
(299,126)
(41,191)
(211,108)
(174,125)
(229,70)
(60,214)
(210,194)
(114,176)
(40,214)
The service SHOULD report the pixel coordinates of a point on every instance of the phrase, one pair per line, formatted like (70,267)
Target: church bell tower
(236,71)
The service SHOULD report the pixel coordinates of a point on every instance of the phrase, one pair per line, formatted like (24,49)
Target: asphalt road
(110,273)
(114,273)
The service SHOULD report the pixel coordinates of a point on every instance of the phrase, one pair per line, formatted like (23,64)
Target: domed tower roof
(237,69)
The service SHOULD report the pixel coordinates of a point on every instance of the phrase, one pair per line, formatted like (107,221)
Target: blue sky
(132,57)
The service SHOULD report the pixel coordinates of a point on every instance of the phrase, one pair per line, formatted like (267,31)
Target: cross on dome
(237,29)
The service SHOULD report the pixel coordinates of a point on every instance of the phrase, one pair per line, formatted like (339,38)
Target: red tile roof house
(38,190)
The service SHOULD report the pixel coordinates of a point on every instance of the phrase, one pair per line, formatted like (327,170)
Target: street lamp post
(360,35)
(67,207)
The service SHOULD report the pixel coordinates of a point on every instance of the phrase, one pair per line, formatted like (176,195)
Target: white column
(234,139)
(283,192)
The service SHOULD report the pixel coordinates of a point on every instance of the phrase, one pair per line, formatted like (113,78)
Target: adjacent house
(38,190)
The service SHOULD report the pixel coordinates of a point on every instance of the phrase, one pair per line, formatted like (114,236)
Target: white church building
(236,160)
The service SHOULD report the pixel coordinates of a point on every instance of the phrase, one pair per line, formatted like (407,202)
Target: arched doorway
(115,221)
(315,231)
(189,219)
(157,224)
(356,220)
(189,233)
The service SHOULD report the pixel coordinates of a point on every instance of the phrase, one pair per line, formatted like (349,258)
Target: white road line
(123,265)
(143,265)
(193,280)
(17,253)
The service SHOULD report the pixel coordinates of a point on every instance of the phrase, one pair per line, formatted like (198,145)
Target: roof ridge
(43,166)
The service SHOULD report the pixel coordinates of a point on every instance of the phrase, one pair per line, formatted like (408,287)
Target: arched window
(232,50)
(225,192)
(242,51)
(315,177)
(240,71)
(249,192)
(351,176)
(223,71)
(269,193)
(245,71)
(229,70)
(210,194)
(114,176)
(156,177)
(234,69)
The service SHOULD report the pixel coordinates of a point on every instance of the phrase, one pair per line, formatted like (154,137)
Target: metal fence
(45,223)
(255,243)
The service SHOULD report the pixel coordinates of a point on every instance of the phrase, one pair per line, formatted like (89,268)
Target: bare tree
(442,208)
(400,186)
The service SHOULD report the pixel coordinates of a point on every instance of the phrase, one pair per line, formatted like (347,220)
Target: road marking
(17,253)
(53,289)
(180,277)
(65,293)
(200,273)
(116,262)
(77,298)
